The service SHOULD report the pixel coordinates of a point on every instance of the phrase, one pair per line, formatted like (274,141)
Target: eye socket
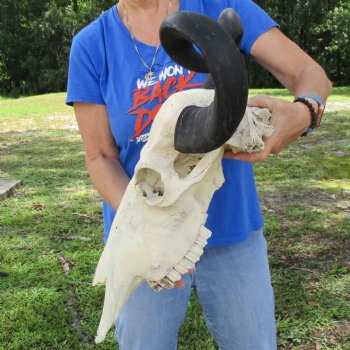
(184,164)
(149,183)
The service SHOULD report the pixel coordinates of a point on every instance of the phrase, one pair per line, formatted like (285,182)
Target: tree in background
(320,27)
(334,42)
(35,38)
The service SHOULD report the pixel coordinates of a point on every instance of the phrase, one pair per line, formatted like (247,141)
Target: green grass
(35,112)
(55,217)
(339,94)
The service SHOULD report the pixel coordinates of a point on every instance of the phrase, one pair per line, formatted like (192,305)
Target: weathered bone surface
(159,233)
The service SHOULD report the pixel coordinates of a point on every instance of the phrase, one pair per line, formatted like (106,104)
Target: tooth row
(187,262)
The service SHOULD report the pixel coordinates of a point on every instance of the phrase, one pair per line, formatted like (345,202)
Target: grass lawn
(51,234)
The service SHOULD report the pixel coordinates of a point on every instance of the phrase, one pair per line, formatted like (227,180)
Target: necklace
(150,73)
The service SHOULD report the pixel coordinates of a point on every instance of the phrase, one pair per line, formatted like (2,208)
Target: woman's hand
(181,283)
(289,120)
(301,75)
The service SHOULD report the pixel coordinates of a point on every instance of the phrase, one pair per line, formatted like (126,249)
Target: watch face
(319,115)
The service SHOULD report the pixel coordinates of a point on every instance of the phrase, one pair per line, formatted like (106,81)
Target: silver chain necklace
(150,73)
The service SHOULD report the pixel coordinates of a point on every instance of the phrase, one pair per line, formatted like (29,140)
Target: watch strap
(314,97)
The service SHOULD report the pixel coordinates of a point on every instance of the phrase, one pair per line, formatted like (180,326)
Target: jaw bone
(158,232)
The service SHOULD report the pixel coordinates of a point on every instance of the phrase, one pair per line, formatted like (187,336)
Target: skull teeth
(204,233)
(173,275)
(187,262)
(201,242)
(155,285)
(166,283)
(192,256)
(158,288)
(196,249)
(180,268)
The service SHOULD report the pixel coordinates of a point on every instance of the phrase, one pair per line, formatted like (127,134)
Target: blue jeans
(233,285)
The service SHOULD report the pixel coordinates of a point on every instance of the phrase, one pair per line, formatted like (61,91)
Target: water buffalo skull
(159,230)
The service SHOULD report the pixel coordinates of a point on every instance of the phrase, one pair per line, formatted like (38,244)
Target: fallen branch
(72,304)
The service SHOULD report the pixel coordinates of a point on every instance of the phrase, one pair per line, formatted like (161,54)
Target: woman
(119,76)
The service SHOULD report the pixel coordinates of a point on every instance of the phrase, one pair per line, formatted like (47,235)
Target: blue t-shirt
(105,69)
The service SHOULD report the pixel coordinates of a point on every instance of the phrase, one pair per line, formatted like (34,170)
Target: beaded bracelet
(309,105)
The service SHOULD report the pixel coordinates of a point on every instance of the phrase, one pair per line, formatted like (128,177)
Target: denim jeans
(233,285)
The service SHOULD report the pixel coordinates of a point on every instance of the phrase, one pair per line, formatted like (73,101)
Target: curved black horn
(231,22)
(200,130)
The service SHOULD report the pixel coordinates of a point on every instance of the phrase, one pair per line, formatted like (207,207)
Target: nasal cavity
(185,163)
(149,183)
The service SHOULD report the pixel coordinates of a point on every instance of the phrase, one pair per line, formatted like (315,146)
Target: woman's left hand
(289,120)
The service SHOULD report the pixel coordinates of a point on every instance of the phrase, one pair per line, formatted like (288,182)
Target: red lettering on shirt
(140,97)
(140,124)
(144,95)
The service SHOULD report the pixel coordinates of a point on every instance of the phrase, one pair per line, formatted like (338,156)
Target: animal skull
(158,232)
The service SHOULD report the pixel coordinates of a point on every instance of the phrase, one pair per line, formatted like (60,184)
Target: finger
(229,154)
(250,157)
(253,157)
(246,157)
(180,284)
(260,101)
